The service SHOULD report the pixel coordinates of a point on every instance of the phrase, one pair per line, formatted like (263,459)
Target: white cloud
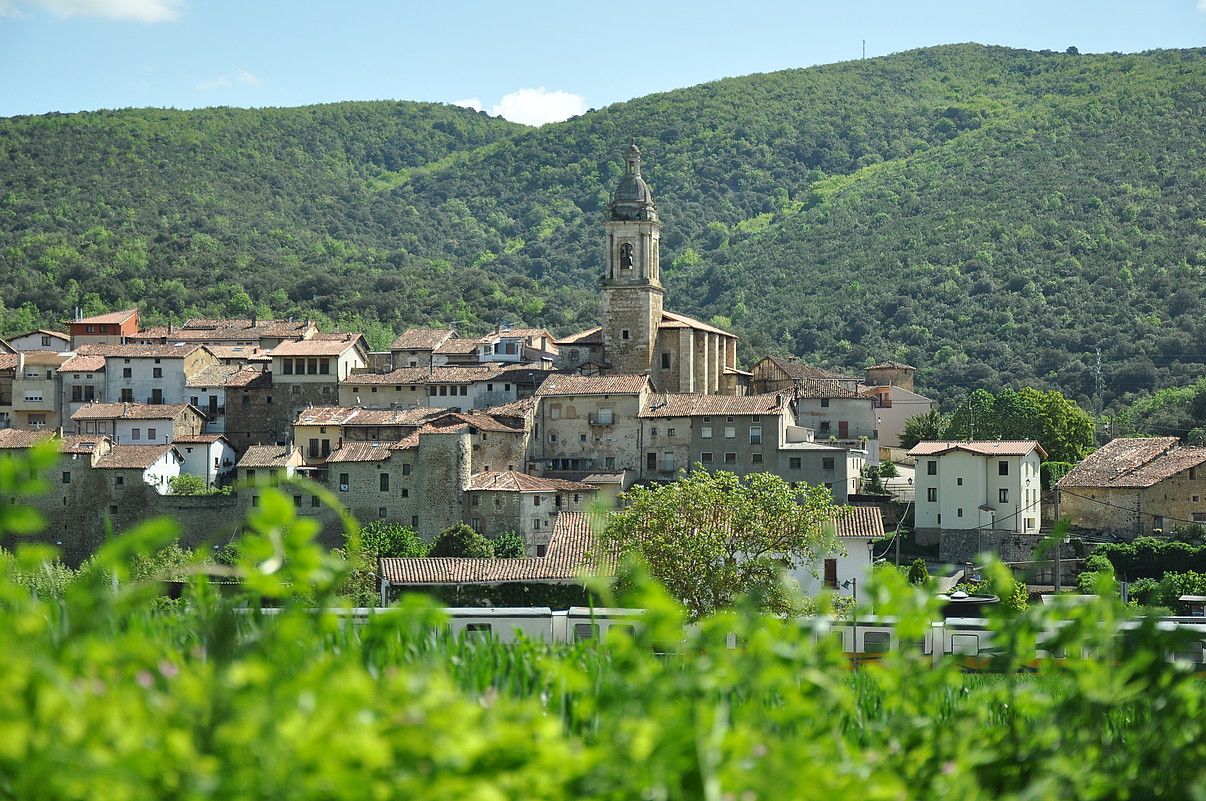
(133,10)
(229,79)
(475,103)
(538,106)
(1202,5)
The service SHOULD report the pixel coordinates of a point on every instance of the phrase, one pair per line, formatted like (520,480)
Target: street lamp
(852,585)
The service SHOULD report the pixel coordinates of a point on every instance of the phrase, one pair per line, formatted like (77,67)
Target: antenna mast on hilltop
(864,50)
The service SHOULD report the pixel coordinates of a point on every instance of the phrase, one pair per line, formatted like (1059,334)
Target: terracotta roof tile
(20,439)
(591,336)
(133,457)
(980,447)
(105,319)
(168,351)
(228,375)
(270,456)
(458,345)
(44,357)
(568,384)
(673,320)
(688,405)
(359,452)
(83,364)
(131,411)
(570,554)
(891,365)
(361,416)
(514,481)
(44,331)
(421,338)
(198,439)
(1134,463)
(317,347)
(864,522)
(8,361)
(798,371)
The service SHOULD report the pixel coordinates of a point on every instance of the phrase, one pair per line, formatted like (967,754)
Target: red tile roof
(891,365)
(591,336)
(421,338)
(514,481)
(131,411)
(20,439)
(459,345)
(1133,463)
(83,364)
(229,375)
(270,456)
(140,351)
(979,447)
(104,319)
(864,522)
(571,554)
(199,439)
(133,457)
(800,371)
(673,320)
(361,416)
(688,405)
(567,384)
(359,452)
(317,346)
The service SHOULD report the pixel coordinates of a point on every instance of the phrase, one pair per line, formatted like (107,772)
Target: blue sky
(530,61)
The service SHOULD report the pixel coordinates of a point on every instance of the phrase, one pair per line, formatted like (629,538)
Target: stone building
(638,336)
(891,388)
(83,382)
(506,500)
(589,423)
(320,430)
(228,333)
(458,388)
(1136,486)
(413,348)
(250,410)
(150,373)
(131,467)
(139,423)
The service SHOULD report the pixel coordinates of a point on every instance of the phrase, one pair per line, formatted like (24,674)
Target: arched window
(626,256)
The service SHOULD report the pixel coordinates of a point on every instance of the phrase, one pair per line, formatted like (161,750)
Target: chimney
(254,319)
(171,328)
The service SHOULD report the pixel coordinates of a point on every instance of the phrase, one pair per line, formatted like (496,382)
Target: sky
(531,62)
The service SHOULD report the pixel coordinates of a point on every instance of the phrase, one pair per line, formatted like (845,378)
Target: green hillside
(990,215)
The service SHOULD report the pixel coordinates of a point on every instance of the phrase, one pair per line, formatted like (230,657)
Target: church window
(624,334)
(626,256)
(666,361)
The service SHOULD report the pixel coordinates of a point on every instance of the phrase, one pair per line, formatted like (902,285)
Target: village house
(40,339)
(106,329)
(309,371)
(589,423)
(742,434)
(137,423)
(505,500)
(210,390)
(414,347)
(8,370)
(890,385)
(262,335)
(266,465)
(83,381)
(458,388)
(323,429)
(36,390)
(857,529)
(208,456)
(132,466)
(150,373)
(497,443)
(1136,486)
(242,405)
(978,485)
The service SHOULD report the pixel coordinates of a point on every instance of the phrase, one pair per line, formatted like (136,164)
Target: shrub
(1151,557)
(383,539)
(918,572)
(186,484)
(461,540)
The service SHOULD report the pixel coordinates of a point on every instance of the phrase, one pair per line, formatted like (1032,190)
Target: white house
(153,465)
(40,339)
(136,423)
(849,569)
(210,456)
(978,485)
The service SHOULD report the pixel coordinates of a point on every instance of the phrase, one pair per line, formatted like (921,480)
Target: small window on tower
(666,361)
(626,256)
(624,334)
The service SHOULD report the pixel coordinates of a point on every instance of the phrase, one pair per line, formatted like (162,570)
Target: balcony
(601,419)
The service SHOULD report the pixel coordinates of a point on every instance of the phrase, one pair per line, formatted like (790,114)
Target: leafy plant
(461,540)
(509,545)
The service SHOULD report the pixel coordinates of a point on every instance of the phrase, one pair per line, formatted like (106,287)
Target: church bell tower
(632,281)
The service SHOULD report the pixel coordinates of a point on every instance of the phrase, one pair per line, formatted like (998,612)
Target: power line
(1135,511)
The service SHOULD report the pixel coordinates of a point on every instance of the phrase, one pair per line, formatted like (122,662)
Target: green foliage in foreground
(110,691)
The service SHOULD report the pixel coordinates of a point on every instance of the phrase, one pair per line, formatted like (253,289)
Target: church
(638,335)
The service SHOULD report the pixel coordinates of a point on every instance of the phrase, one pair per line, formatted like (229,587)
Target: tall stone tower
(632,281)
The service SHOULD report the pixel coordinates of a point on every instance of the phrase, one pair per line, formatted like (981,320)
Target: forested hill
(990,215)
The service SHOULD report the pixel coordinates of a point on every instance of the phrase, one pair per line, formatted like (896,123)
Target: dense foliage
(1170,412)
(1063,429)
(1152,557)
(461,540)
(711,537)
(991,216)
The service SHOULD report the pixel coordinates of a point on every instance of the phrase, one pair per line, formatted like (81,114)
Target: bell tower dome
(632,278)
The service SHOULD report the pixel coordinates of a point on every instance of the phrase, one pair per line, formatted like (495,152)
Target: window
(585,631)
(624,334)
(959,512)
(343,482)
(383,481)
(706,457)
(136,433)
(287,367)
(705,432)
(77,393)
(297,501)
(152,434)
(478,630)
(931,467)
(824,403)
(877,642)
(959,481)
(45,340)
(794,463)
(535,500)
(756,458)
(730,432)
(312,366)
(626,256)
(931,494)
(1003,496)
(610,463)
(651,460)
(157,396)
(127,372)
(406,470)
(824,426)
(665,361)
(324,368)
(66,478)
(730,457)
(1002,468)
(475,501)
(414,522)
(120,480)
(831,574)
(755,435)
(157,372)
(582,438)
(827,463)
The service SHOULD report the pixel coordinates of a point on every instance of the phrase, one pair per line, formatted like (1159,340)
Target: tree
(461,540)
(385,539)
(712,537)
(928,426)
(509,545)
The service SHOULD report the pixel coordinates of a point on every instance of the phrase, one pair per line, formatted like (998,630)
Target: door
(843,429)
(831,574)
(651,461)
